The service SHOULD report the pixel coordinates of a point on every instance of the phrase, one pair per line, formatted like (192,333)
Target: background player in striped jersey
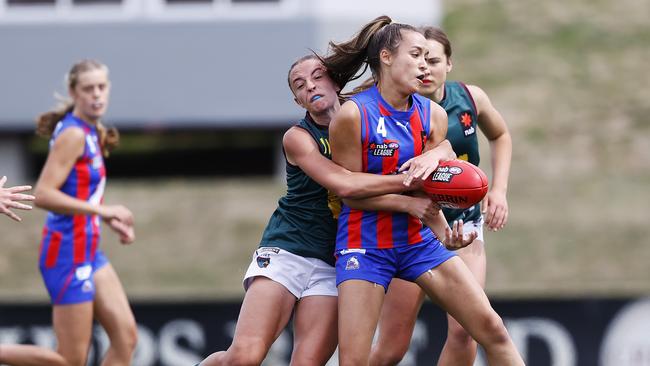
(292,270)
(10,196)
(375,132)
(81,282)
(468,108)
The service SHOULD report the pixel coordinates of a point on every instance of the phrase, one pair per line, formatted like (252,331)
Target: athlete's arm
(67,148)
(419,206)
(494,127)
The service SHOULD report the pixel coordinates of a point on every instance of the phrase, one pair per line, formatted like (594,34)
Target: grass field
(572,80)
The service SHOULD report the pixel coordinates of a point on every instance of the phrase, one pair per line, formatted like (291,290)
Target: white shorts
(477,226)
(301,276)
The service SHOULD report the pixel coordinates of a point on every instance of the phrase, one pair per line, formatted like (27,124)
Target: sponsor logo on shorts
(83,272)
(263,261)
(268,249)
(352,264)
(348,251)
(87,286)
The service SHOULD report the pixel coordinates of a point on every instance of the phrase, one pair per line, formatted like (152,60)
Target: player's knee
(459,336)
(126,339)
(388,355)
(494,330)
(247,353)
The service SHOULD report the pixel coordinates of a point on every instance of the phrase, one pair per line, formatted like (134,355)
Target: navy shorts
(380,266)
(73,283)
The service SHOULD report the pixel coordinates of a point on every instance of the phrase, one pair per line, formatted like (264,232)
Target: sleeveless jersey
(389,138)
(461,133)
(73,239)
(305,221)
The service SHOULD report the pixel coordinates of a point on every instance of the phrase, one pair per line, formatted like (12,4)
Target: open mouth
(315,98)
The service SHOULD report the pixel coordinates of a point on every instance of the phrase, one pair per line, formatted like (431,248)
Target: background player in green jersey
(292,271)
(468,107)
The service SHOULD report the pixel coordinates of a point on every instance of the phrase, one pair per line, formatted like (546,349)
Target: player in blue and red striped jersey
(375,132)
(79,279)
(469,108)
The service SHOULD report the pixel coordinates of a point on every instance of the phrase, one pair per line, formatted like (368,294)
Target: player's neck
(438,95)
(325,117)
(83,117)
(399,101)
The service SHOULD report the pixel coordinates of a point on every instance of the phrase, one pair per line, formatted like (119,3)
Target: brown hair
(346,58)
(438,35)
(296,63)
(109,137)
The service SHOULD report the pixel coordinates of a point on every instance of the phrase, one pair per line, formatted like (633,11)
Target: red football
(456,184)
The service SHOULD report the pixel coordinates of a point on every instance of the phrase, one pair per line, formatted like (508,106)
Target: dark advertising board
(581,332)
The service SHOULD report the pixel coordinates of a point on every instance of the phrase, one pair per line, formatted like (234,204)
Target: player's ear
(450,65)
(297,102)
(385,57)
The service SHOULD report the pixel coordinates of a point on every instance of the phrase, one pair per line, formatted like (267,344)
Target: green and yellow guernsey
(461,133)
(305,221)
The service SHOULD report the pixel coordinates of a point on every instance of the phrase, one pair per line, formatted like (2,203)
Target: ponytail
(346,58)
(46,122)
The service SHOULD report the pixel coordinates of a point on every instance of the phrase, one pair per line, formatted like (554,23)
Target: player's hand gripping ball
(456,184)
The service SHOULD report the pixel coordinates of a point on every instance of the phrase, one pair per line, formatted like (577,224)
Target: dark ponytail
(345,59)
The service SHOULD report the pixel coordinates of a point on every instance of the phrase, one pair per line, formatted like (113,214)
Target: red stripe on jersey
(366,139)
(354,228)
(385,219)
(414,227)
(384,230)
(53,250)
(383,111)
(95,239)
(79,221)
(416,131)
(414,224)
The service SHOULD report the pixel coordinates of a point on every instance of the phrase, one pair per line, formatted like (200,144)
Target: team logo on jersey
(83,272)
(387,149)
(352,264)
(465,120)
(263,261)
(445,174)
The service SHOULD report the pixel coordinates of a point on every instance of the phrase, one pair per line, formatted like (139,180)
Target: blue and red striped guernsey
(389,138)
(74,238)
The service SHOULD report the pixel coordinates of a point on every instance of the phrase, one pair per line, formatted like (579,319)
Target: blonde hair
(109,137)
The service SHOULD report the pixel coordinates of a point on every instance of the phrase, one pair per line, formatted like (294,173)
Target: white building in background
(174,63)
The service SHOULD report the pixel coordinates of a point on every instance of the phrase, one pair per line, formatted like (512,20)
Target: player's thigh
(359,306)
(111,304)
(453,286)
(475,259)
(73,328)
(315,330)
(265,311)
(399,313)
